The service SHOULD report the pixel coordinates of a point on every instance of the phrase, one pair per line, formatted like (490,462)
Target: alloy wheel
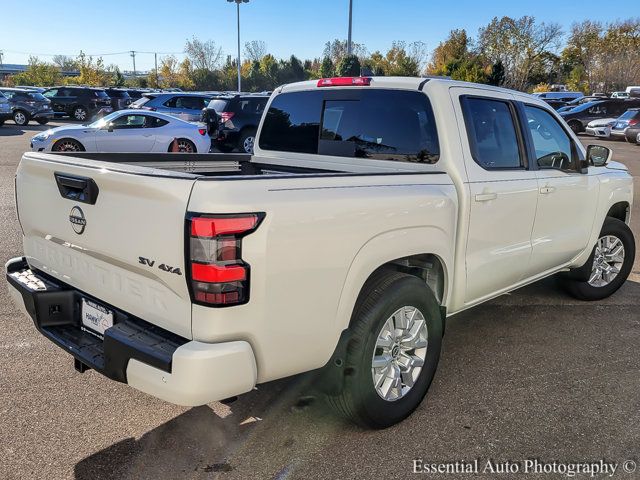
(185,147)
(607,261)
(19,118)
(248,144)
(80,114)
(399,353)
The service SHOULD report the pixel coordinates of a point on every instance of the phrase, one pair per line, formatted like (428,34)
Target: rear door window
(491,129)
(376,124)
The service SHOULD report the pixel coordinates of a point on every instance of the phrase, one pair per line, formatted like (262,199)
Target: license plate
(96,317)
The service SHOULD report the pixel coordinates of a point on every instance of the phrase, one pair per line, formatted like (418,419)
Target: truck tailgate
(126,249)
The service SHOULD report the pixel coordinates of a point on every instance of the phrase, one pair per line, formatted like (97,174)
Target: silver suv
(187,106)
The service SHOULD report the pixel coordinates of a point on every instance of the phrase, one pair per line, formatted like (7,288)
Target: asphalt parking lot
(533,374)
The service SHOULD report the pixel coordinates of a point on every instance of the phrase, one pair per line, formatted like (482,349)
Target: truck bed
(199,164)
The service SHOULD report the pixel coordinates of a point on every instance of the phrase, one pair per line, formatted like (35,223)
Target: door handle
(485,197)
(547,190)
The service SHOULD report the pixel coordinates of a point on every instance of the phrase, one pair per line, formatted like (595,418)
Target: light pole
(349,49)
(238,2)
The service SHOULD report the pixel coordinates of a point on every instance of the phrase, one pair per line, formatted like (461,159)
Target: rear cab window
(378,124)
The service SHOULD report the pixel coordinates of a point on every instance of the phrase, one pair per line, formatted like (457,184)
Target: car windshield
(37,96)
(104,120)
(101,94)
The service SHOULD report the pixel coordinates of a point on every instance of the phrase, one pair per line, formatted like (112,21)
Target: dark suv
(80,103)
(232,120)
(120,99)
(580,116)
(27,105)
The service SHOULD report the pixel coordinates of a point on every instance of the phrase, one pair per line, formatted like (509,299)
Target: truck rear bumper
(133,351)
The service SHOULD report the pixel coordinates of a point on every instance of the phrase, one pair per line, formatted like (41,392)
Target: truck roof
(407,83)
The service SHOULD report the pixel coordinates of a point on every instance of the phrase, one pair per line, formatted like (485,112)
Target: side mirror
(598,156)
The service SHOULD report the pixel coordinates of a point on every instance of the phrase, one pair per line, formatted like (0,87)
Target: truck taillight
(219,276)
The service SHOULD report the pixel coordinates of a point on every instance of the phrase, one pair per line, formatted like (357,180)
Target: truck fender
(384,248)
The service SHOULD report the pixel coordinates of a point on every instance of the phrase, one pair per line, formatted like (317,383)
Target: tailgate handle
(76,188)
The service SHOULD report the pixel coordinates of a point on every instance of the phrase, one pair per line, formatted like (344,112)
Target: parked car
(360,225)
(232,121)
(35,89)
(600,128)
(187,106)
(632,134)
(579,101)
(620,95)
(556,104)
(580,116)
(79,103)
(120,99)
(28,105)
(126,131)
(628,119)
(5,109)
(135,93)
(561,96)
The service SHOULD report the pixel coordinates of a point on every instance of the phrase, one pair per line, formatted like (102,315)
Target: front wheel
(67,145)
(393,352)
(608,266)
(42,121)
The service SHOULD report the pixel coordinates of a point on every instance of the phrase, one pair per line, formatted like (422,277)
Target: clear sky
(299,27)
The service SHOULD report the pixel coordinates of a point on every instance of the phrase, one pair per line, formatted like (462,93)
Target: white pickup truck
(371,210)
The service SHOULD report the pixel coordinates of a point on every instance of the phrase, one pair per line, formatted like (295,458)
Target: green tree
(38,73)
(327,69)
(349,66)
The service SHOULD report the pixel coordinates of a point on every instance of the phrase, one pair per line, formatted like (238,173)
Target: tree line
(518,53)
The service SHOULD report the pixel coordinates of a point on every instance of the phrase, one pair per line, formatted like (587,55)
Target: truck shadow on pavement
(496,358)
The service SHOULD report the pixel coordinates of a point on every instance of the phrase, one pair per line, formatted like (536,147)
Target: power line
(128,52)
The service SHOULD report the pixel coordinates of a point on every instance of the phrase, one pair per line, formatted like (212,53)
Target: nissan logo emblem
(78,222)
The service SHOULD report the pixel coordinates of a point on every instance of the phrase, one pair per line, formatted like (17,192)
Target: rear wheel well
(427,267)
(620,211)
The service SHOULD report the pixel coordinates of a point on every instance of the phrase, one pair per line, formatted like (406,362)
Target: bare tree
(65,63)
(255,50)
(518,44)
(336,50)
(203,55)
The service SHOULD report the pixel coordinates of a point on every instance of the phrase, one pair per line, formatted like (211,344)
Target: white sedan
(600,127)
(126,131)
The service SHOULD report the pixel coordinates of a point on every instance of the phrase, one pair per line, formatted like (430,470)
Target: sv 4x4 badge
(162,266)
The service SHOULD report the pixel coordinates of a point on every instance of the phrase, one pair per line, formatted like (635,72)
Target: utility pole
(238,2)
(155,56)
(133,55)
(349,45)
(1,55)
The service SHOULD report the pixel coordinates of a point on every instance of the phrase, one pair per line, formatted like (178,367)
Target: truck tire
(608,266)
(393,351)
